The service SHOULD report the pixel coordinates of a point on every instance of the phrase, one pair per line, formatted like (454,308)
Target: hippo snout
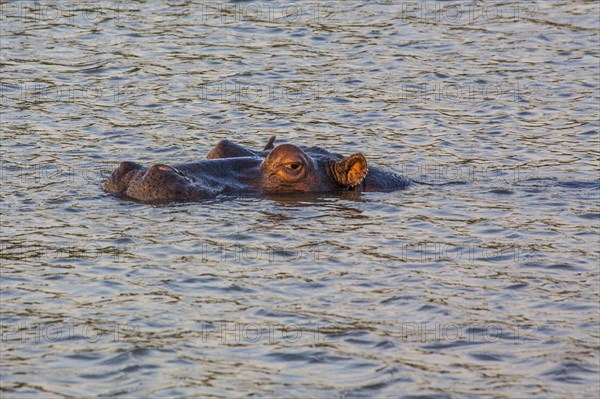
(120,179)
(159,183)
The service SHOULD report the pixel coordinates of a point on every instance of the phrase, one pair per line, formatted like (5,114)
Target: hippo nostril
(127,166)
(167,168)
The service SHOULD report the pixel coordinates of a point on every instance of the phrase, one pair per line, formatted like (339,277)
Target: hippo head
(289,168)
(285,168)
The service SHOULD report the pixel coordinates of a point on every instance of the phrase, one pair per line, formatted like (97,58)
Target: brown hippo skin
(235,170)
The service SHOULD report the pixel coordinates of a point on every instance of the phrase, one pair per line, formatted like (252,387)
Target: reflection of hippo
(233,169)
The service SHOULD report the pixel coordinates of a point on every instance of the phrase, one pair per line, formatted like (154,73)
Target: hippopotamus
(231,169)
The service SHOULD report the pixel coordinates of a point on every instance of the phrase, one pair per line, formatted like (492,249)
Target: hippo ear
(270,145)
(350,171)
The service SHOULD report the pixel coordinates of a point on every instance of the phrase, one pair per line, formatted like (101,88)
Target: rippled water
(483,283)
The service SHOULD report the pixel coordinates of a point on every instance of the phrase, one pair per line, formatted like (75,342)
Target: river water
(482,283)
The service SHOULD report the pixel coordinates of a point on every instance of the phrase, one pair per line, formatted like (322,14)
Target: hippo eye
(293,165)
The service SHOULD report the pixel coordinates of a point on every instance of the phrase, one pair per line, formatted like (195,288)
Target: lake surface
(482,283)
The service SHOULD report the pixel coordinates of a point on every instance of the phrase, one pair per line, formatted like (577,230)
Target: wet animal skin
(232,169)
